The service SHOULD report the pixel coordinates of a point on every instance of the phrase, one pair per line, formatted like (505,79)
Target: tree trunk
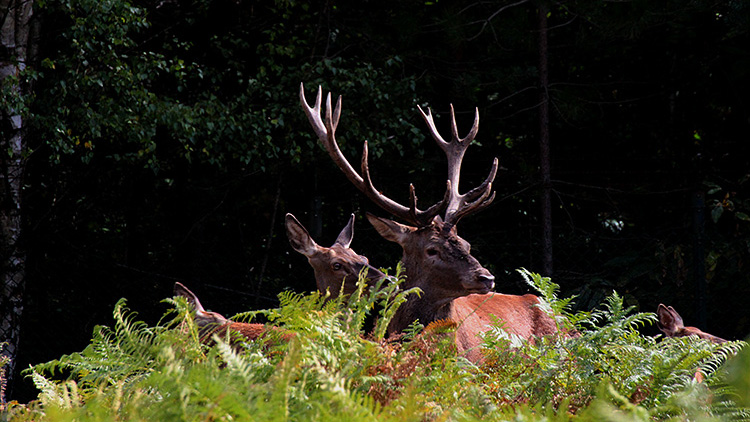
(544,148)
(15,17)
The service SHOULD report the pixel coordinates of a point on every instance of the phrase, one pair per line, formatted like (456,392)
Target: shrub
(332,370)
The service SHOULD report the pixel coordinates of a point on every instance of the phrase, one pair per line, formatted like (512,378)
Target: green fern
(651,373)
(558,308)
(330,370)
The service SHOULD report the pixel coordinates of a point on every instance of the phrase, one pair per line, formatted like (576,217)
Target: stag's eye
(432,252)
(336,266)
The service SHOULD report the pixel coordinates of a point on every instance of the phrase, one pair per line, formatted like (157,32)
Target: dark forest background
(166,143)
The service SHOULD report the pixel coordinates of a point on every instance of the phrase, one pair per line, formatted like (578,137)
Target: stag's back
(520,316)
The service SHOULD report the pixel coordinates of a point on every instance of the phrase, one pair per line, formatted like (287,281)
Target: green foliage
(205,92)
(4,360)
(560,307)
(124,87)
(608,368)
(137,372)
(330,370)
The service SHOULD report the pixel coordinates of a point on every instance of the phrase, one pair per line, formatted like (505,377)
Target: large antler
(326,133)
(461,205)
(455,205)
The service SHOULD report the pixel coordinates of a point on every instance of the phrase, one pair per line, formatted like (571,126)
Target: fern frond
(440,326)
(329,371)
(390,298)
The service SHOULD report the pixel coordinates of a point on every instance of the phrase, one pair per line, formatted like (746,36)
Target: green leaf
(716,212)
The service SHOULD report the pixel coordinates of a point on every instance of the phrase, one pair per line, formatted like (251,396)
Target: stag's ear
(670,322)
(298,236)
(389,229)
(347,234)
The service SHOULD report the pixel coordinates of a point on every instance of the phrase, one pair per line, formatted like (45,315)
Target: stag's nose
(488,280)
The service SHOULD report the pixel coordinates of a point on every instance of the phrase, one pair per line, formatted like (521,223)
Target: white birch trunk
(15,18)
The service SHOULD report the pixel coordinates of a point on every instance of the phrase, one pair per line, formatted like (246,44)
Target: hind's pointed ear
(670,322)
(181,290)
(347,234)
(299,238)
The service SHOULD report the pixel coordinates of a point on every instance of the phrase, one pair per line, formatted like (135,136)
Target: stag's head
(437,260)
(336,268)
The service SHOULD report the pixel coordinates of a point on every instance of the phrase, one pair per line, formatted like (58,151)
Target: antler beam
(461,205)
(326,132)
(456,205)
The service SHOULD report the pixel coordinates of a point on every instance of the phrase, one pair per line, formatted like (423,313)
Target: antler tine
(413,201)
(326,134)
(412,214)
(438,207)
(313,113)
(476,199)
(431,123)
(485,186)
(471,207)
(332,120)
(472,133)
(463,142)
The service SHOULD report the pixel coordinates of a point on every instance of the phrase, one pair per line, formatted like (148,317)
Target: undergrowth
(331,369)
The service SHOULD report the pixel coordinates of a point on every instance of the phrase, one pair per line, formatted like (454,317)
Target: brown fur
(238,332)
(437,276)
(518,315)
(670,323)
(336,266)
(437,261)
(456,287)
(210,323)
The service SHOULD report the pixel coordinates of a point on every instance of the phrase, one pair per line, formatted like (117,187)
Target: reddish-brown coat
(520,316)
(210,323)
(670,323)
(437,260)
(336,268)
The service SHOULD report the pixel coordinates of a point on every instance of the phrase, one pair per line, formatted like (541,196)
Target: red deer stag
(454,284)
(337,268)
(210,323)
(670,323)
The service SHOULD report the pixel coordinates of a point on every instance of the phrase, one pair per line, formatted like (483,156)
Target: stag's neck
(425,308)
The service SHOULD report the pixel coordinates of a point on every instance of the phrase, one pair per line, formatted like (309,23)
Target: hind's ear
(670,322)
(347,234)
(181,290)
(299,238)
